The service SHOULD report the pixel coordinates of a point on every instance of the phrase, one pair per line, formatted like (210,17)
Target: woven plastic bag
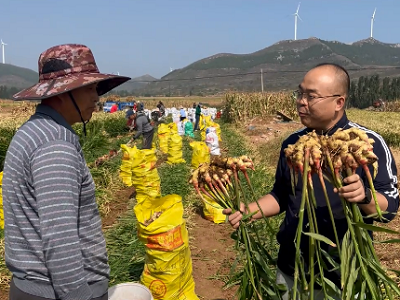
(168,264)
(218,130)
(213,211)
(1,202)
(163,137)
(202,122)
(173,127)
(175,149)
(142,171)
(212,141)
(189,129)
(145,177)
(125,173)
(201,154)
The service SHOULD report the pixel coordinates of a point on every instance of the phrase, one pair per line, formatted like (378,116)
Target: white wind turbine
(372,23)
(170,69)
(296,15)
(2,49)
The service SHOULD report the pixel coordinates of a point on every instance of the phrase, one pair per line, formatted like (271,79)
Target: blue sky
(137,37)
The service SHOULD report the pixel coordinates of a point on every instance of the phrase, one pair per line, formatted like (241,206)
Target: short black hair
(342,74)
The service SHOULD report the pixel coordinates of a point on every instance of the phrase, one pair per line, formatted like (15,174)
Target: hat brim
(54,87)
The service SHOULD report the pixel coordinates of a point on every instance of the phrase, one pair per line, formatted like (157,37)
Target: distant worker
(182,113)
(130,123)
(144,128)
(129,112)
(114,108)
(140,106)
(198,114)
(161,107)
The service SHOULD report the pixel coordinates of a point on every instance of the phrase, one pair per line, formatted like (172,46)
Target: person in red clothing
(114,108)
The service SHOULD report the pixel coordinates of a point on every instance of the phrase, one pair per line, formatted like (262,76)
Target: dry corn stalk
(239,107)
(219,182)
(333,158)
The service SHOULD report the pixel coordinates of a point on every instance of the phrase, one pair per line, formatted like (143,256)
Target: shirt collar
(342,123)
(42,109)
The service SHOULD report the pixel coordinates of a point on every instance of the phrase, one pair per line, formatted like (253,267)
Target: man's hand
(353,191)
(235,218)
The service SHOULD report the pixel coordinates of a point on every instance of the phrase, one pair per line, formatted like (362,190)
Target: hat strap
(79,111)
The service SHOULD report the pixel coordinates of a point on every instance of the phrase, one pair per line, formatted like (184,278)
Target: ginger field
(248,126)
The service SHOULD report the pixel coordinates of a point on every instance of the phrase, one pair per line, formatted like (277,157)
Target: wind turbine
(296,15)
(170,69)
(372,23)
(2,49)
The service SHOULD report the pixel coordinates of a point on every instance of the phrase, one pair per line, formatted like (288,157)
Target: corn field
(241,107)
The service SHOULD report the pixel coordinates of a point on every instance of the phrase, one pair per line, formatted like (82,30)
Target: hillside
(13,76)
(136,83)
(283,63)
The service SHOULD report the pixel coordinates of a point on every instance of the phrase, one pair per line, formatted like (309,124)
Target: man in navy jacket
(321,102)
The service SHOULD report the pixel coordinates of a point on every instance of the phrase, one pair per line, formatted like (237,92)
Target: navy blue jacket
(384,183)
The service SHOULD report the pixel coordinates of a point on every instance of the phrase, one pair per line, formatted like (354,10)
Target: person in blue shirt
(183,113)
(321,100)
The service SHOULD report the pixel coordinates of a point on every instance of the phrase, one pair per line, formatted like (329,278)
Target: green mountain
(283,64)
(13,76)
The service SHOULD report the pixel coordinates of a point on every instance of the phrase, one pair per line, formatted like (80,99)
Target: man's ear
(340,103)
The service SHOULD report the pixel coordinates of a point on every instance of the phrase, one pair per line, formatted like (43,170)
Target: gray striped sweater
(54,244)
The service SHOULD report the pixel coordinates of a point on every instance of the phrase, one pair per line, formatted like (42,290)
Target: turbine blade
(298,7)
(299,18)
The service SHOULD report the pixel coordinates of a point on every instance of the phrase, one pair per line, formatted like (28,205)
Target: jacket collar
(342,123)
(46,110)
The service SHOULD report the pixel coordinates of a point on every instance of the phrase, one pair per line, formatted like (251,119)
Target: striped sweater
(54,244)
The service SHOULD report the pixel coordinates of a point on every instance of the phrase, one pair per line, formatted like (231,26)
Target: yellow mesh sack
(175,149)
(201,154)
(168,264)
(213,211)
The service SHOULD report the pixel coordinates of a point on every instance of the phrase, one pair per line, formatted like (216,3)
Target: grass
(387,124)
(125,251)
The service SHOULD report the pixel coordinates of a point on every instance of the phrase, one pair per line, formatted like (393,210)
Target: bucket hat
(64,68)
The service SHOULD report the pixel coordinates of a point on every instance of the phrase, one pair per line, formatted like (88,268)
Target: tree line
(8,92)
(367,89)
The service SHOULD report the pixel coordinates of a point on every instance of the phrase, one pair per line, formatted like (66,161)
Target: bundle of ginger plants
(333,158)
(220,182)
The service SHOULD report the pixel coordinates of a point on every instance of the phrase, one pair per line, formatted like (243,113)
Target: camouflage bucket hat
(64,68)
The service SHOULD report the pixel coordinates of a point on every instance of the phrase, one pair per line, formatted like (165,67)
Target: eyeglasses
(299,95)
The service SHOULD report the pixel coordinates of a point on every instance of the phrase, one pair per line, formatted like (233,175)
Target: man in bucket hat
(54,245)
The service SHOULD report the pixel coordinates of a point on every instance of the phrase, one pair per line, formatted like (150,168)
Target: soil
(212,255)
(119,206)
(263,129)
(389,253)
